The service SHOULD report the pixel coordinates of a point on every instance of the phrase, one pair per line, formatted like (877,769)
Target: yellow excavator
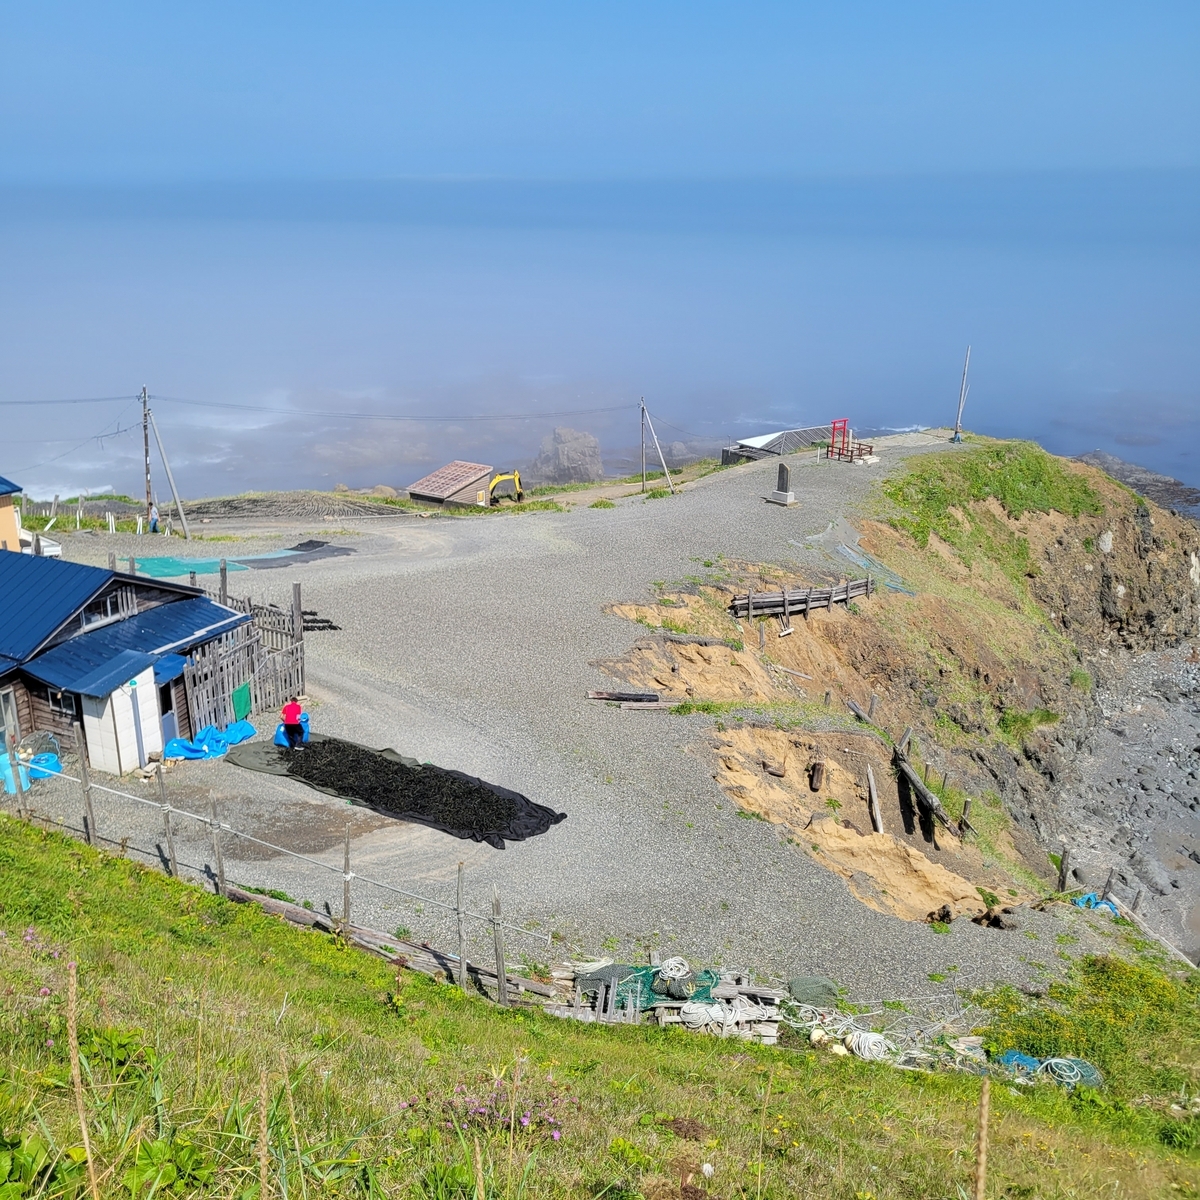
(513,477)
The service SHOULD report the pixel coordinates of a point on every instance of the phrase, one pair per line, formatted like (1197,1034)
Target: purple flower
(54,953)
(44,992)
(556,1135)
(49,1041)
(525,1120)
(403,1103)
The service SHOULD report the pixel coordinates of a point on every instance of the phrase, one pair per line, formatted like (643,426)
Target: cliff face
(1030,576)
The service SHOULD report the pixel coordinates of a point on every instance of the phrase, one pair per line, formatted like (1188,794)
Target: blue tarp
(1091,900)
(210,742)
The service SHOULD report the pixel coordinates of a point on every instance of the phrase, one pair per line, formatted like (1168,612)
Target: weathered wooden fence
(267,654)
(798,601)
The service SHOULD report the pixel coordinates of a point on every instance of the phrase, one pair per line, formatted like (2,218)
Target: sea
(310,333)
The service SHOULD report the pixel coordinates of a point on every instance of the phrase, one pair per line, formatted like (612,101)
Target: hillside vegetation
(221,1047)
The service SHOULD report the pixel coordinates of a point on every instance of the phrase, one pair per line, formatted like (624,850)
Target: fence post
(224,582)
(166,812)
(89,817)
(191,578)
(112,560)
(462,934)
(10,745)
(216,839)
(1064,868)
(297,615)
(498,939)
(346,880)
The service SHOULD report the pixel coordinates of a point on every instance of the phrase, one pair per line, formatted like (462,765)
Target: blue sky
(752,215)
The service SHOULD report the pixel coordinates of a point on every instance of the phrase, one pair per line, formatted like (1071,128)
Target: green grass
(602,503)
(658,493)
(1021,476)
(1081,680)
(383,1084)
(1017,725)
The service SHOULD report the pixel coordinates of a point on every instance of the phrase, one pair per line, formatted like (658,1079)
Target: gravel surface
(466,642)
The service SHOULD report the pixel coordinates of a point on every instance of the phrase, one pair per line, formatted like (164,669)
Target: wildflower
(708,1170)
(556,1135)
(49,1041)
(44,992)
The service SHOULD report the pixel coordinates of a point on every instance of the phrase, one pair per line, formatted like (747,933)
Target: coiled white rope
(1061,1070)
(871,1046)
(724,1017)
(675,968)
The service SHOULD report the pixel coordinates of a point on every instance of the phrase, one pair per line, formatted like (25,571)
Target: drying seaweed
(428,791)
(384,781)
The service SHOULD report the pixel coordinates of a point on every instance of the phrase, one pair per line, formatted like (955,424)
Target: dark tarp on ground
(530,818)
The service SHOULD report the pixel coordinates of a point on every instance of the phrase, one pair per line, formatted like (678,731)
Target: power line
(358,416)
(79,400)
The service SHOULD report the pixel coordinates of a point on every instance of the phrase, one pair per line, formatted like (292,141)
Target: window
(64,705)
(112,606)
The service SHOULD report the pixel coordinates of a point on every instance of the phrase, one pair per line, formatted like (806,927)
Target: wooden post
(192,578)
(132,565)
(462,933)
(112,560)
(166,812)
(871,707)
(498,939)
(1064,868)
(297,615)
(828,697)
(981,1140)
(1112,875)
(14,766)
(876,816)
(346,879)
(1137,900)
(966,813)
(762,636)
(89,817)
(945,780)
(926,776)
(224,583)
(905,738)
(216,839)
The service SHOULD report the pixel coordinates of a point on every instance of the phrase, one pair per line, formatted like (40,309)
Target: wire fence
(217,827)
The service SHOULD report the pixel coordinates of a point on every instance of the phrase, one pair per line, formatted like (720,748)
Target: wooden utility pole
(166,815)
(964,388)
(187,535)
(462,933)
(498,940)
(146,447)
(643,412)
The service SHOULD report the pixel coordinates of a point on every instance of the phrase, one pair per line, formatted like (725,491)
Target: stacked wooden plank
(798,601)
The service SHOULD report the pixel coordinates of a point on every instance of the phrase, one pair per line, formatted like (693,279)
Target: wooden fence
(268,654)
(798,601)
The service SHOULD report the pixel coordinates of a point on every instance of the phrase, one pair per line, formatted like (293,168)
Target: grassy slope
(187,1000)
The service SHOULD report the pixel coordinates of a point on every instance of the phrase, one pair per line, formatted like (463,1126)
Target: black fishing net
(382,780)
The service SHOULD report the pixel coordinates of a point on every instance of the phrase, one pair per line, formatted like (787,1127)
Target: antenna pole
(146,447)
(187,536)
(962,398)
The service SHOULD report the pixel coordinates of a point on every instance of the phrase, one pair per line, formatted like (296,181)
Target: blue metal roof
(119,669)
(169,667)
(7,487)
(80,664)
(37,596)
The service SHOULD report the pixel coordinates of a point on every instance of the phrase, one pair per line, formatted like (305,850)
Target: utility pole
(964,388)
(146,449)
(643,409)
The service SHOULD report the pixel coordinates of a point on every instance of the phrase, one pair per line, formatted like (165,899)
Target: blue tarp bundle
(1091,900)
(210,742)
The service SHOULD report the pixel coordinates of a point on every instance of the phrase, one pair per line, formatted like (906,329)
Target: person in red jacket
(292,729)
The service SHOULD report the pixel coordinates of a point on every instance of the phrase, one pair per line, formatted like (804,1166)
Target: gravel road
(466,642)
